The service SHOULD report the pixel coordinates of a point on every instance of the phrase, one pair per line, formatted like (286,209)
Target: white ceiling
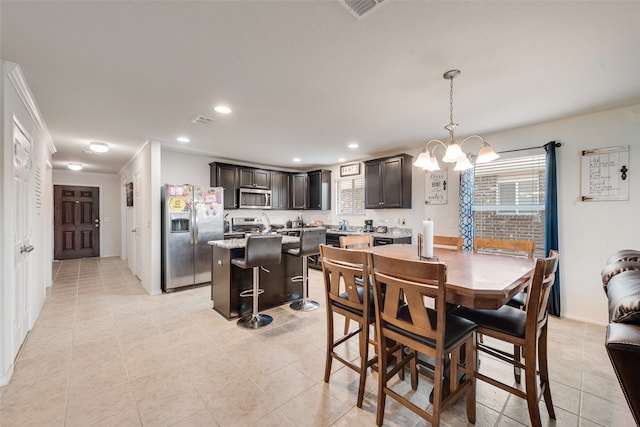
(305,78)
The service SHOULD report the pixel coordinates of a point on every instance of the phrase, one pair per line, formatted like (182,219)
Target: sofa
(621,281)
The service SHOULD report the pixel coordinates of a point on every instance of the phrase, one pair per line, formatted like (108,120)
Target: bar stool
(260,250)
(310,241)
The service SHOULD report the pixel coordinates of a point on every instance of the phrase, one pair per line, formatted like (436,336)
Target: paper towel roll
(428,238)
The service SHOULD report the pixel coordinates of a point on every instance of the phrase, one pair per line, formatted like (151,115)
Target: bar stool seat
(260,250)
(310,241)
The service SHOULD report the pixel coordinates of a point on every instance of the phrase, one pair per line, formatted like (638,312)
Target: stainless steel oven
(253,198)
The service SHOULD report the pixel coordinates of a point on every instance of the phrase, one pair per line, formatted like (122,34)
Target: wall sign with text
(605,174)
(348,170)
(436,187)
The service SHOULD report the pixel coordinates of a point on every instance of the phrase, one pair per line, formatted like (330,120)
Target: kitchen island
(227,280)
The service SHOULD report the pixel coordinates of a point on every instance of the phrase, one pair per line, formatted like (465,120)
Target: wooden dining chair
(356,241)
(527,330)
(448,242)
(340,268)
(429,331)
(509,247)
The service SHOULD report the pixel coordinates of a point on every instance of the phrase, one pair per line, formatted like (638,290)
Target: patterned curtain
(551,221)
(466,212)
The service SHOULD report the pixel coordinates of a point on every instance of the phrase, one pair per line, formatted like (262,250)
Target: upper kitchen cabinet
(388,182)
(225,176)
(319,189)
(255,178)
(298,191)
(279,190)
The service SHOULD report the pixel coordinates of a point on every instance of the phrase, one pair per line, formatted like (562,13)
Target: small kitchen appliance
(368,225)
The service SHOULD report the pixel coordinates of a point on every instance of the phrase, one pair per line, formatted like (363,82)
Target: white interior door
(22,234)
(137,218)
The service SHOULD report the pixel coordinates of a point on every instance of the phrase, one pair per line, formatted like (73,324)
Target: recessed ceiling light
(296,159)
(74,166)
(353,145)
(183,139)
(222,109)
(341,160)
(99,147)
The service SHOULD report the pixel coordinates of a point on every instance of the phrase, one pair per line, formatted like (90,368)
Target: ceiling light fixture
(297,159)
(183,139)
(99,147)
(222,109)
(353,145)
(74,166)
(453,152)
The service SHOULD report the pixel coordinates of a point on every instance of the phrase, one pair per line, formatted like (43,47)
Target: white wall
(17,103)
(110,204)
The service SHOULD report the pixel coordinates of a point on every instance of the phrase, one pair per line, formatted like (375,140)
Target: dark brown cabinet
(279,190)
(388,182)
(319,189)
(226,176)
(298,191)
(256,178)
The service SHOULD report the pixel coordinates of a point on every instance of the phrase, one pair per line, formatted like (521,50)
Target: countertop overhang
(241,243)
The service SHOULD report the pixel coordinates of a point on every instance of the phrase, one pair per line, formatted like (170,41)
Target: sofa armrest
(623,347)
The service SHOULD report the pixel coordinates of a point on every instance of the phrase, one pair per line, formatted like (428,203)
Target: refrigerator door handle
(194,219)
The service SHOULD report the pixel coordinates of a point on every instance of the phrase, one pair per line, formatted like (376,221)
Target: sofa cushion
(623,291)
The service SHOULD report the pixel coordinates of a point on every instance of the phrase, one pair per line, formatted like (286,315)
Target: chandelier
(453,154)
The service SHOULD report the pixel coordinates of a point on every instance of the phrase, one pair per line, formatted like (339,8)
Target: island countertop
(241,243)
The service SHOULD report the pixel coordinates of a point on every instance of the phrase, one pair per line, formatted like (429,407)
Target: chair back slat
(544,277)
(356,241)
(341,267)
(421,283)
(507,246)
(448,242)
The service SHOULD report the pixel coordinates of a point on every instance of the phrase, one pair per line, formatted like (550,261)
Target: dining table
(474,280)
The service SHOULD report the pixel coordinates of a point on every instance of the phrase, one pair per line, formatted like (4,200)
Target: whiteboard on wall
(605,174)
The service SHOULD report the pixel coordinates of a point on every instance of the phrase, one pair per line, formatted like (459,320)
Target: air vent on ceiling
(204,120)
(360,8)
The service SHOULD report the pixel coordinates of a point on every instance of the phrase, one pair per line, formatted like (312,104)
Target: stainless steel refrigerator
(192,216)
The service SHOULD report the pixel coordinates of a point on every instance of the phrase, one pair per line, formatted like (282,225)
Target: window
(508,199)
(350,197)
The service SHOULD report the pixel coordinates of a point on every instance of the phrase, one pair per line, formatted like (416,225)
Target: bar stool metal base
(251,321)
(304,304)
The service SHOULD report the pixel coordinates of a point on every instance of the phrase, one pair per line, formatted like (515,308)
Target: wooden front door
(76,222)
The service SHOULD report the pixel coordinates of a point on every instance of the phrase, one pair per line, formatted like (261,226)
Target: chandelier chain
(451,102)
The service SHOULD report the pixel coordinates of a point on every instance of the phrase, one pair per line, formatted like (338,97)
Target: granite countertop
(241,243)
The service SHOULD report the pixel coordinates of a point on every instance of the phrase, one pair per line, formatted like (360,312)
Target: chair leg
(364,361)
(516,370)
(438,378)
(531,387)
(470,360)
(330,338)
(305,304)
(544,372)
(382,382)
(255,320)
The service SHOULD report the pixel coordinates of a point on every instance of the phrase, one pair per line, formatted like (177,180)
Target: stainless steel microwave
(254,198)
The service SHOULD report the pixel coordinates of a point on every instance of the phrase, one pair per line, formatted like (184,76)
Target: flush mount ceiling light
(453,152)
(183,139)
(222,109)
(99,147)
(74,166)
(353,145)
(297,159)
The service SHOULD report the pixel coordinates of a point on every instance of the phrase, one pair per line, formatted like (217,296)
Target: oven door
(251,198)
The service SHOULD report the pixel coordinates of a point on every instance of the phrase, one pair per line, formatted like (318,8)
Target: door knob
(26,248)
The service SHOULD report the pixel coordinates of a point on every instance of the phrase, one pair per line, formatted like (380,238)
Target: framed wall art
(349,170)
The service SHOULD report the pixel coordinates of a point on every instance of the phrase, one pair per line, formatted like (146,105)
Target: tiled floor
(105,353)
